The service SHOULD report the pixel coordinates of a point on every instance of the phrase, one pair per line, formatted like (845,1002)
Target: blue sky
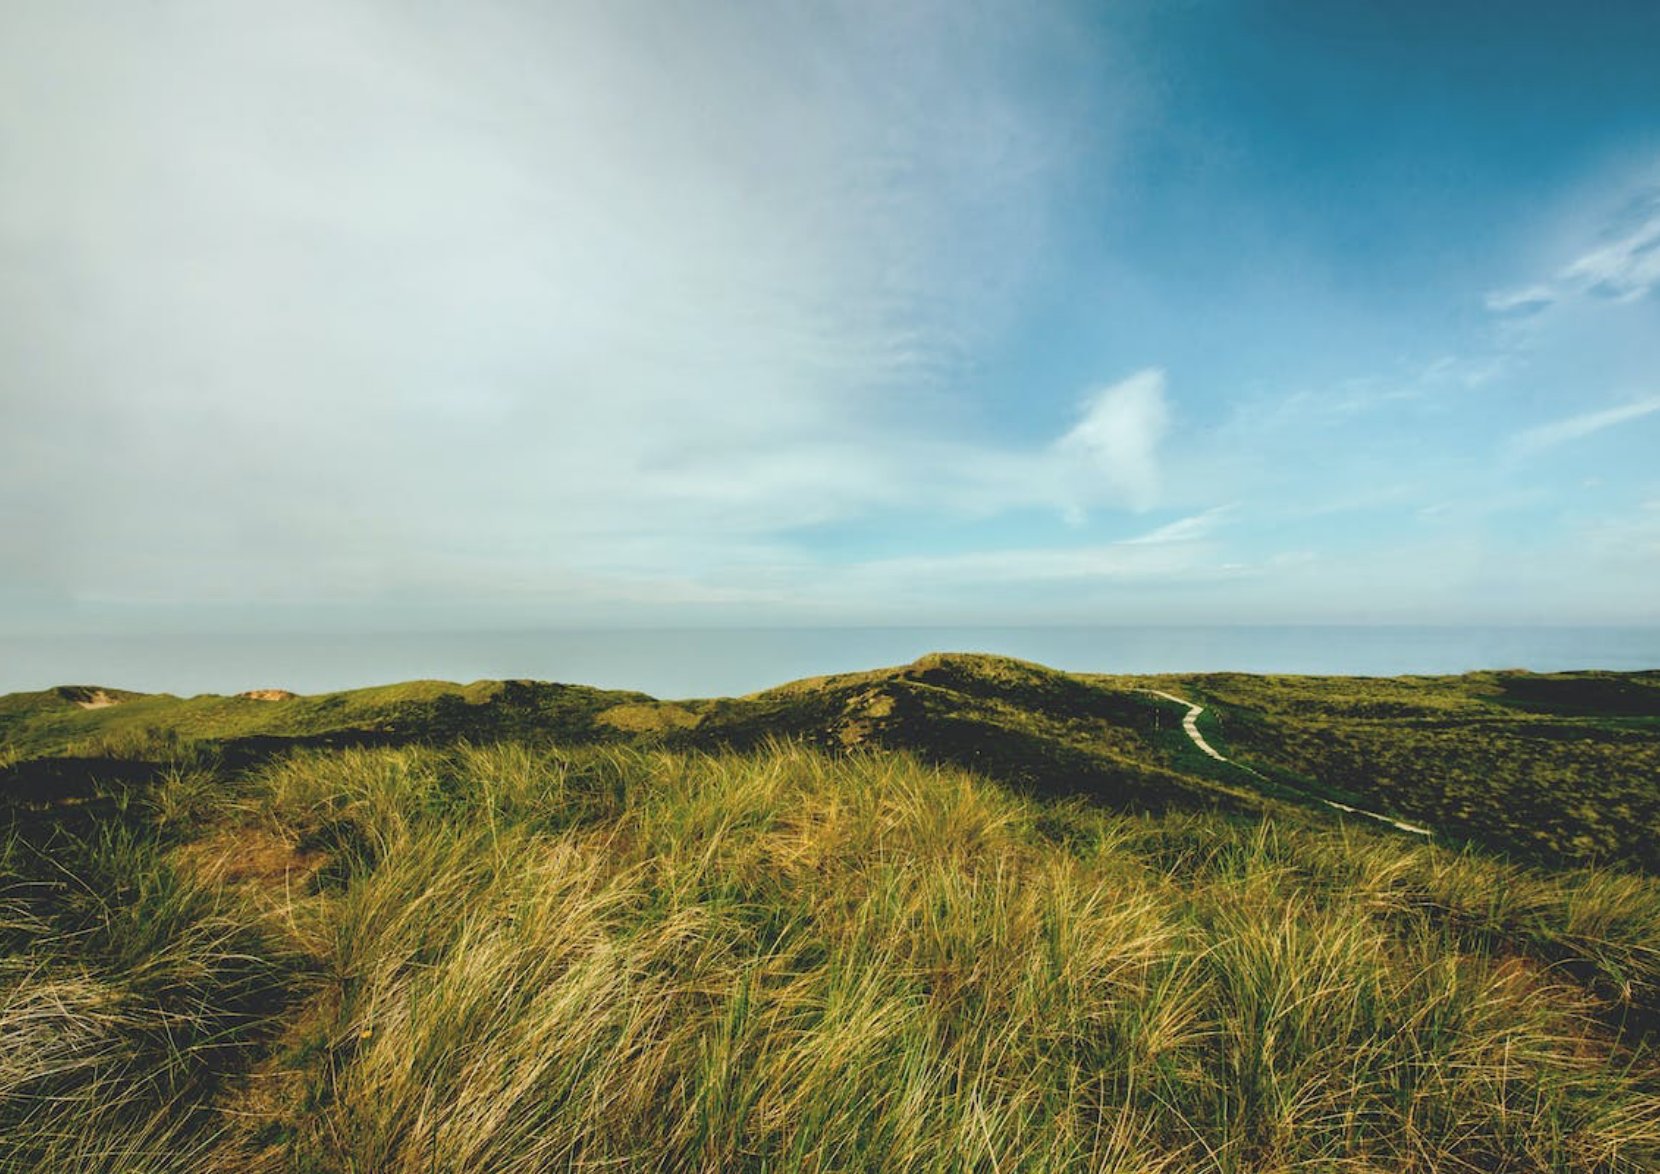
(361,314)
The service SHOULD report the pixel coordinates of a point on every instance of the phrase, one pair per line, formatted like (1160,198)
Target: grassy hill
(967,914)
(1556,768)
(1552,767)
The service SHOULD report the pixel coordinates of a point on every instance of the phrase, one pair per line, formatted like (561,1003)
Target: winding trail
(1190,724)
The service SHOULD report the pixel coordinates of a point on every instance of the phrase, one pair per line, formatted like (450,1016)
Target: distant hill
(1556,767)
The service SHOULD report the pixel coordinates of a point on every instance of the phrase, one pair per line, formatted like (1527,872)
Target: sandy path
(1190,723)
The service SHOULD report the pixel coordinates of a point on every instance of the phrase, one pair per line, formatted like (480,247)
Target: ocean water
(708,662)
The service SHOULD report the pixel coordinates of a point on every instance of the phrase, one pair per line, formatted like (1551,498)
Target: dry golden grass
(514,959)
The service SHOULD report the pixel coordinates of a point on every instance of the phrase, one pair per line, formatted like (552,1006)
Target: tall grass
(127,991)
(511,959)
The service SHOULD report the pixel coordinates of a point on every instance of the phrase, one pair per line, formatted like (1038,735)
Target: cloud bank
(354,300)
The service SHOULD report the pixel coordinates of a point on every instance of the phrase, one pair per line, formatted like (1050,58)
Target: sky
(350,315)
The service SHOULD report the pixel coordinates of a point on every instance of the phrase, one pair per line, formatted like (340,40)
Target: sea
(711,662)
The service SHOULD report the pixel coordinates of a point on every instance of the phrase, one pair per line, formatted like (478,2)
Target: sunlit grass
(507,958)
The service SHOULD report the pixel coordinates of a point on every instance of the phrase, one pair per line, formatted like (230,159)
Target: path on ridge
(1190,724)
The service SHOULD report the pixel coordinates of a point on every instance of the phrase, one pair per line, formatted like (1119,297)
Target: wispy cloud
(1532,441)
(1521,302)
(1188,529)
(1178,551)
(1627,266)
(1623,266)
(1115,562)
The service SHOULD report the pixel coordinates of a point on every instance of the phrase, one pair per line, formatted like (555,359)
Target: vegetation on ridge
(1555,768)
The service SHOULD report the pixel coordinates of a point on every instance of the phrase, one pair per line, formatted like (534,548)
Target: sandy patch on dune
(267,695)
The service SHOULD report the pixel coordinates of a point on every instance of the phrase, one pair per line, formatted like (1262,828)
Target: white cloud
(1534,440)
(1115,443)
